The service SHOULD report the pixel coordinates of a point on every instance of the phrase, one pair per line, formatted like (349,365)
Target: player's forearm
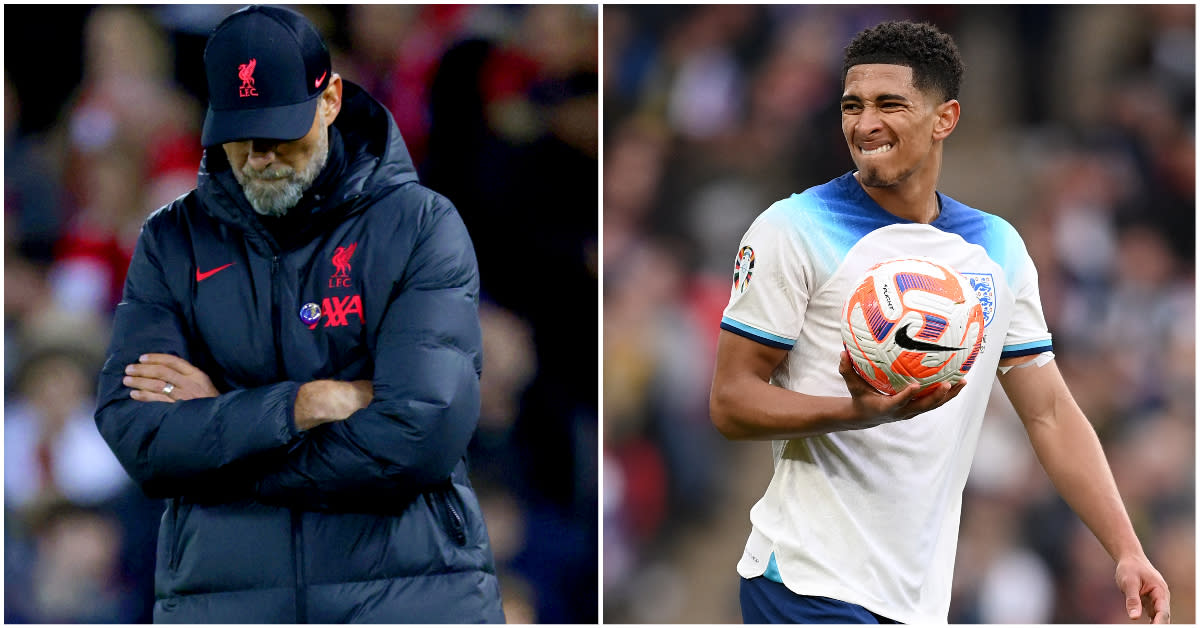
(175,449)
(326,400)
(1071,453)
(409,439)
(755,410)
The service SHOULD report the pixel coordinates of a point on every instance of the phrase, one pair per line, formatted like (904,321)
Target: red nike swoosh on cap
(205,275)
(321,78)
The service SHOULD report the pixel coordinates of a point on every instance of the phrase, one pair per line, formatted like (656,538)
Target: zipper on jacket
(297,522)
(298,556)
(458,526)
(276,321)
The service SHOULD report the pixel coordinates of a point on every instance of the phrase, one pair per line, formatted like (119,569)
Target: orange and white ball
(912,320)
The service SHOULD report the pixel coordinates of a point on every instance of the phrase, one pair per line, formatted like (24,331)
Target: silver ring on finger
(168,388)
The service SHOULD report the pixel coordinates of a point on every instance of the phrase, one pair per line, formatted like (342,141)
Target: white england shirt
(870,516)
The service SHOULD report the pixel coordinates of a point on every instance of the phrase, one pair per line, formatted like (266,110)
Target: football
(912,320)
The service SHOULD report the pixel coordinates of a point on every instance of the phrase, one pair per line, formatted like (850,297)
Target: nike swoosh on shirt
(205,275)
(908,342)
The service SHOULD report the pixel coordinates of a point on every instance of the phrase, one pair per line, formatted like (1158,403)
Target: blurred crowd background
(1077,127)
(102,111)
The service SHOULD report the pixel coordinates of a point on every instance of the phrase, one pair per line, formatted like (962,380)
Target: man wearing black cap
(295,362)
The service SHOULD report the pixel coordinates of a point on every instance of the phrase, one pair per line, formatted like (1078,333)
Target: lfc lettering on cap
(246,73)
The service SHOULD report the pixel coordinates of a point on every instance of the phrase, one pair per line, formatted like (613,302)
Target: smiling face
(893,129)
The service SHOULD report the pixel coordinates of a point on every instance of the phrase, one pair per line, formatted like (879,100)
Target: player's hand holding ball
(872,407)
(912,328)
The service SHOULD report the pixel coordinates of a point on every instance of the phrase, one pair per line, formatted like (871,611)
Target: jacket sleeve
(426,399)
(199,447)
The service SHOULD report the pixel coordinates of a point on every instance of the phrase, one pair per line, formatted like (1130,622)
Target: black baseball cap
(266,68)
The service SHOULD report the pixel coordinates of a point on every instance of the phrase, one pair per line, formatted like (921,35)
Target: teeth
(882,149)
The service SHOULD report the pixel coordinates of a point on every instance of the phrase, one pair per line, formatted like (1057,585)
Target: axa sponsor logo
(335,311)
(339,310)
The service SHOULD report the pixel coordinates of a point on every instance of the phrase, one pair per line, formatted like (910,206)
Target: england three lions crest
(985,291)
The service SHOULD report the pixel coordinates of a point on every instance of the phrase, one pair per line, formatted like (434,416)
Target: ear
(947,118)
(331,99)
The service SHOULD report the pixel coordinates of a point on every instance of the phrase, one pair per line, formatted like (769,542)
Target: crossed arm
(411,423)
(317,402)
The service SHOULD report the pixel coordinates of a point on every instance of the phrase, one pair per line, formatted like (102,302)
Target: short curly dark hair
(930,53)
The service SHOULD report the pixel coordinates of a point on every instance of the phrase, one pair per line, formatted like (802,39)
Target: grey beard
(275,192)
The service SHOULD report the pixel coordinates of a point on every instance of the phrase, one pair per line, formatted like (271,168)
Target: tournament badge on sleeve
(743,267)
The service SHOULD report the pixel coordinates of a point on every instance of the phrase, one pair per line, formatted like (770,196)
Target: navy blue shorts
(768,602)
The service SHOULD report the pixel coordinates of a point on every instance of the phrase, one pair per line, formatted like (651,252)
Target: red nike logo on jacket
(205,275)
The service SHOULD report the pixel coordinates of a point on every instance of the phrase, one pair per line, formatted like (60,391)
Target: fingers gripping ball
(912,320)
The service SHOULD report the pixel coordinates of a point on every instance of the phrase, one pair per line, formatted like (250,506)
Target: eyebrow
(855,98)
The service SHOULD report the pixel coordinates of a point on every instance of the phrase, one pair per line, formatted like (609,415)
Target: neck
(915,197)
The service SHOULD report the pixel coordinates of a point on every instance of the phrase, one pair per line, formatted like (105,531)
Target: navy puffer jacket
(371,519)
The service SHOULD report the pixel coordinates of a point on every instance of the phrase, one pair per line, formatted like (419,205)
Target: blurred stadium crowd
(498,105)
(1077,126)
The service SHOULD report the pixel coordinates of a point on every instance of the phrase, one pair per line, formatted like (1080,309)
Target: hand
(164,377)
(872,407)
(326,400)
(1144,589)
